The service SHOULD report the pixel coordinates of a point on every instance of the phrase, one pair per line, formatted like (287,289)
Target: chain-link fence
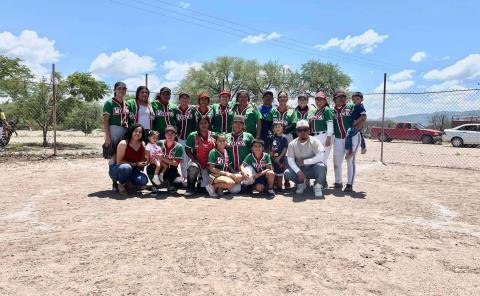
(425,129)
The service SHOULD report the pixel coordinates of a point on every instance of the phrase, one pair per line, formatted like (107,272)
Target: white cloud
(184,5)
(175,71)
(254,39)
(34,50)
(395,86)
(447,85)
(122,63)
(366,42)
(402,75)
(162,48)
(467,68)
(418,56)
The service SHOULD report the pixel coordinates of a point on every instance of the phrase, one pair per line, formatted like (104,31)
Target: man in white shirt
(305,157)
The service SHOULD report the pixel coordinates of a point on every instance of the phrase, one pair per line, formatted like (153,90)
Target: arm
(172,162)
(212,169)
(106,131)
(293,164)
(259,128)
(319,155)
(189,153)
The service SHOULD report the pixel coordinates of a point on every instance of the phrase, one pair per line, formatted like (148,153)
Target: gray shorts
(116,135)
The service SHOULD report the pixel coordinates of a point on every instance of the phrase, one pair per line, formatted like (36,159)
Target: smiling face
(170,135)
(224,100)
(340,100)
(184,100)
(143,95)
(257,148)
(221,142)
(302,102)
(120,92)
(242,99)
(320,102)
(137,133)
(203,125)
(282,99)
(237,126)
(165,97)
(203,102)
(357,100)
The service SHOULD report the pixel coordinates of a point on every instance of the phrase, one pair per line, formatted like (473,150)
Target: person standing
(221,117)
(305,158)
(239,143)
(163,111)
(185,116)
(243,107)
(321,123)
(284,114)
(203,107)
(264,109)
(341,123)
(140,111)
(303,108)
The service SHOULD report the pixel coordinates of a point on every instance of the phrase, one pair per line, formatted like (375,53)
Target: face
(282,99)
(320,102)
(243,99)
(268,99)
(341,100)
(184,100)
(221,142)
(203,102)
(224,99)
(170,135)
(302,132)
(165,96)
(203,125)
(153,138)
(278,129)
(137,134)
(302,102)
(357,100)
(237,126)
(120,91)
(143,95)
(257,148)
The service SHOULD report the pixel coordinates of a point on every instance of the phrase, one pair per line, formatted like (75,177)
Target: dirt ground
(406,231)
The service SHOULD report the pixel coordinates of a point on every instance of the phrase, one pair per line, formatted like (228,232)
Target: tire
(457,142)
(426,139)
(385,138)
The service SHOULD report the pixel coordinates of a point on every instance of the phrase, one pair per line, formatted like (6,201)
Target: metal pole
(54,111)
(383,115)
(146,79)
(223,84)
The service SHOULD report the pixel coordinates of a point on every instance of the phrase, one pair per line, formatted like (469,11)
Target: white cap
(302,123)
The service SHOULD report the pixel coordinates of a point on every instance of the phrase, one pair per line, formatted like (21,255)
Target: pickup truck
(407,131)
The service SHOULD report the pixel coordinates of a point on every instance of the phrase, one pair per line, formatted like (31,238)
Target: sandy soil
(407,231)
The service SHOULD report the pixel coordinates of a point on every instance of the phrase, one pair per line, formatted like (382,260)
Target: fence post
(383,115)
(146,79)
(54,111)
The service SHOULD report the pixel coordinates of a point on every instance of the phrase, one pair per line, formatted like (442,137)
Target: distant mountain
(424,118)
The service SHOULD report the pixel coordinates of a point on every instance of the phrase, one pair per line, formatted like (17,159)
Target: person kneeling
(262,171)
(219,168)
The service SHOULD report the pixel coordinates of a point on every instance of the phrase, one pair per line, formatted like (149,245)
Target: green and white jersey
(199,113)
(305,114)
(238,147)
(319,119)
(133,108)
(341,120)
(164,115)
(172,152)
(186,121)
(258,164)
(251,114)
(221,119)
(219,159)
(118,112)
(288,117)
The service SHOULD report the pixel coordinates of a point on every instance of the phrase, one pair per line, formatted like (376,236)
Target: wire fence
(440,129)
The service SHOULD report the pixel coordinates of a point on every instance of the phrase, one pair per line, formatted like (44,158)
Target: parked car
(465,134)
(407,131)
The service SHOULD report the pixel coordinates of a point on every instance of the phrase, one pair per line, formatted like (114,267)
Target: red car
(407,131)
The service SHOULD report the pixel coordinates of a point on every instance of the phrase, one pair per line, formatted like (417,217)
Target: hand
(141,164)
(237,178)
(107,142)
(328,141)
(244,175)
(301,177)
(299,163)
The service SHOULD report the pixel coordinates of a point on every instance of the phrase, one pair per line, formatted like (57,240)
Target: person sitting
(172,158)
(130,160)
(305,158)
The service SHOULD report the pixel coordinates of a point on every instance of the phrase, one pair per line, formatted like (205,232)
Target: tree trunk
(45,131)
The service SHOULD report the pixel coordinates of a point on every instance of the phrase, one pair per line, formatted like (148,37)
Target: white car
(465,134)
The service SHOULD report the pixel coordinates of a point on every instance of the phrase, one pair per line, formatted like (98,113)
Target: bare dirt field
(408,230)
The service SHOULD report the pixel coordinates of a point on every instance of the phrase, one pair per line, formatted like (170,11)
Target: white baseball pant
(339,156)
(185,162)
(323,138)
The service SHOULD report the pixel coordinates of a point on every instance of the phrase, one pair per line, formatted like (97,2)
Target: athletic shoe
(348,188)
(349,155)
(338,185)
(317,190)
(364,151)
(219,191)
(301,188)
(156,180)
(154,191)
(211,191)
(171,188)
(189,192)
(271,193)
(178,180)
(160,177)
(115,186)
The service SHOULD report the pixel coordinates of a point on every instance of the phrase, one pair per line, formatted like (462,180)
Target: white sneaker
(211,191)
(156,180)
(178,180)
(301,188)
(317,190)
(160,177)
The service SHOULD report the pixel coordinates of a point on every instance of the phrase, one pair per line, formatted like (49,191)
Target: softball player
(239,143)
(253,123)
(163,111)
(321,123)
(284,114)
(221,117)
(186,124)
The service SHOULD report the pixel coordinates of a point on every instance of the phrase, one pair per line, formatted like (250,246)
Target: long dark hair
(129,133)
(240,92)
(203,117)
(139,89)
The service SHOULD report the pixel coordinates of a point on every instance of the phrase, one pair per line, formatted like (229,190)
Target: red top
(203,147)
(134,156)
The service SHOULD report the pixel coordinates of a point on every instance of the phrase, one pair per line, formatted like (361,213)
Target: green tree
(14,77)
(83,86)
(85,116)
(318,76)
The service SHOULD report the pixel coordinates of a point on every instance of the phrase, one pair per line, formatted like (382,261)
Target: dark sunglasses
(300,130)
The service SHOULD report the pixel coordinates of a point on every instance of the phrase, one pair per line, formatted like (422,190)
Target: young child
(155,156)
(262,168)
(278,144)
(358,117)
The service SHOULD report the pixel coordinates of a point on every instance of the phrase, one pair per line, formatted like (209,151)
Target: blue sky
(422,45)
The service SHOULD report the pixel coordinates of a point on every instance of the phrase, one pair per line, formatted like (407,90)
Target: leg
(192,173)
(185,161)
(291,176)
(138,178)
(351,162)
(338,155)
(249,181)
(121,172)
(270,178)
(318,172)
(362,143)
(223,182)
(352,131)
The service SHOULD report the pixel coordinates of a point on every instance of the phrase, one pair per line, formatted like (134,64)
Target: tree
(440,121)
(14,77)
(83,86)
(85,116)
(238,73)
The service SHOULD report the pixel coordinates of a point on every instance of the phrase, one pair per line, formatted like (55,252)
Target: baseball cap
(302,123)
(225,92)
(121,84)
(203,95)
(320,94)
(339,93)
(170,128)
(183,94)
(259,142)
(267,92)
(275,122)
(165,89)
(303,96)
(357,94)
(239,118)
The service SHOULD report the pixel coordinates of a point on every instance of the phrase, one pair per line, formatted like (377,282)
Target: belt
(319,133)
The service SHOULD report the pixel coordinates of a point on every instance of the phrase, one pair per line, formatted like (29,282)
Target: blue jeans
(317,171)
(351,132)
(124,172)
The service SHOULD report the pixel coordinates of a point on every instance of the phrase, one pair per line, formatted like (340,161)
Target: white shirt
(311,152)
(144,116)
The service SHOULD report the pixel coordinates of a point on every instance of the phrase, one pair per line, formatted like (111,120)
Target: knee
(270,174)
(235,189)
(125,168)
(288,174)
(141,180)
(259,187)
